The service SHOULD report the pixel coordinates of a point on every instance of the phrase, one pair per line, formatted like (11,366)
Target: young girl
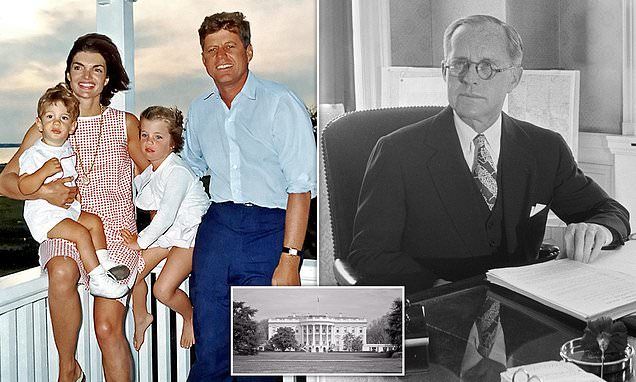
(53,158)
(169,187)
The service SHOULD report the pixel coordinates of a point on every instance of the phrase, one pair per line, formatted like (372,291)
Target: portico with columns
(320,333)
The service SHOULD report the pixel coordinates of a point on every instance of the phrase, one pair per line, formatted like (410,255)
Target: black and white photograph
(318,331)
(482,154)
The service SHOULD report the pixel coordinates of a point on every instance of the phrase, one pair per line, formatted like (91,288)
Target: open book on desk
(605,287)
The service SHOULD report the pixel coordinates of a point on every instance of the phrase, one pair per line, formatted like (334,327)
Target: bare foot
(72,373)
(187,335)
(79,373)
(140,330)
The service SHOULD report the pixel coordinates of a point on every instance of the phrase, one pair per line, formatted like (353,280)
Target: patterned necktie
(484,171)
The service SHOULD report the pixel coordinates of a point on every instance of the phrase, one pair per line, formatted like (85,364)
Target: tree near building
(356,344)
(245,337)
(268,346)
(377,331)
(347,341)
(262,331)
(284,339)
(395,324)
(351,342)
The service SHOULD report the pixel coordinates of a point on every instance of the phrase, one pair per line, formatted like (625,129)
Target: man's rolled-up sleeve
(191,152)
(295,145)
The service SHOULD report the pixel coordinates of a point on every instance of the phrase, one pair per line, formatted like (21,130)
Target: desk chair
(346,145)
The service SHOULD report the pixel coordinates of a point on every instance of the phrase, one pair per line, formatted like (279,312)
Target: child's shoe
(119,271)
(102,284)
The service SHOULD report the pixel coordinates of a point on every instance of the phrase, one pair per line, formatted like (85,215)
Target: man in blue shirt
(254,138)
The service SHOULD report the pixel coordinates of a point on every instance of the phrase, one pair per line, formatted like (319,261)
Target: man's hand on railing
(130,240)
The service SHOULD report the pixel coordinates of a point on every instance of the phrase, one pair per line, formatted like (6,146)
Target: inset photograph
(317,331)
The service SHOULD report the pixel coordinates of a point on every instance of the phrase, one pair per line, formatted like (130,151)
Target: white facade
(320,333)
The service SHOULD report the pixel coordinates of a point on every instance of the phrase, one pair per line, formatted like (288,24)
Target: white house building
(320,333)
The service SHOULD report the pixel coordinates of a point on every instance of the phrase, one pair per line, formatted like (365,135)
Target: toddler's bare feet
(140,330)
(187,335)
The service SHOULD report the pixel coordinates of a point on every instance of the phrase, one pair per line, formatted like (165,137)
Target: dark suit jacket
(418,206)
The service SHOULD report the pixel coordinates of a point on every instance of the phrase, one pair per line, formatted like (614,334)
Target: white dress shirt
(258,151)
(466,135)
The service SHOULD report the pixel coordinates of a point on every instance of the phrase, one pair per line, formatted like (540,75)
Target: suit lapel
(518,172)
(453,180)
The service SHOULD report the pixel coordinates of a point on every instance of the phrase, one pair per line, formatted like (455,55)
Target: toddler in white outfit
(169,187)
(52,158)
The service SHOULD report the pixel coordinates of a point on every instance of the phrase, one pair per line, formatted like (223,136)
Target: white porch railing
(27,349)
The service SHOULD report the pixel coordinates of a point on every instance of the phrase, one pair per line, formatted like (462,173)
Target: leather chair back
(346,145)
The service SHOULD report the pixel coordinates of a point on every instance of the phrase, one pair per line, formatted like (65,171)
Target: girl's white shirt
(179,199)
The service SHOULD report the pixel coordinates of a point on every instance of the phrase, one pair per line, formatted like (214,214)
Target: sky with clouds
(36,35)
(369,303)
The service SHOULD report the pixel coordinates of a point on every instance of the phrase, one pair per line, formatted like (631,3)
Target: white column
(629,67)
(333,334)
(115,20)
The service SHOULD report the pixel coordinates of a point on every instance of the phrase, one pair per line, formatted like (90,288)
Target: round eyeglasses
(459,67)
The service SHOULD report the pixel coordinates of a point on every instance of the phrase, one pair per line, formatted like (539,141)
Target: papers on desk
(605,287)
(552,371)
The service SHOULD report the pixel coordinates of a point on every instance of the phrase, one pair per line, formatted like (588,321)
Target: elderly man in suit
(470,188)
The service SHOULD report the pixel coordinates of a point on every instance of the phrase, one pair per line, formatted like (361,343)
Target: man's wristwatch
(292,251)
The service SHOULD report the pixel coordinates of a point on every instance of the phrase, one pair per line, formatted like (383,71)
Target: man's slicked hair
(231,21)
(514,43)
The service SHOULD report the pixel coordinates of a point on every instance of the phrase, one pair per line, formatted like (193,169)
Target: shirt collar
(66,146)
(466,135)
(249,88)
(165,163)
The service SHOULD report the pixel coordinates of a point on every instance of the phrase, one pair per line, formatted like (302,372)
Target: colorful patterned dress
(103,157)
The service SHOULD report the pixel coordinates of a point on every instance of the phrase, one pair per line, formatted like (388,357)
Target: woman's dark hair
(99,43)
(172,117)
